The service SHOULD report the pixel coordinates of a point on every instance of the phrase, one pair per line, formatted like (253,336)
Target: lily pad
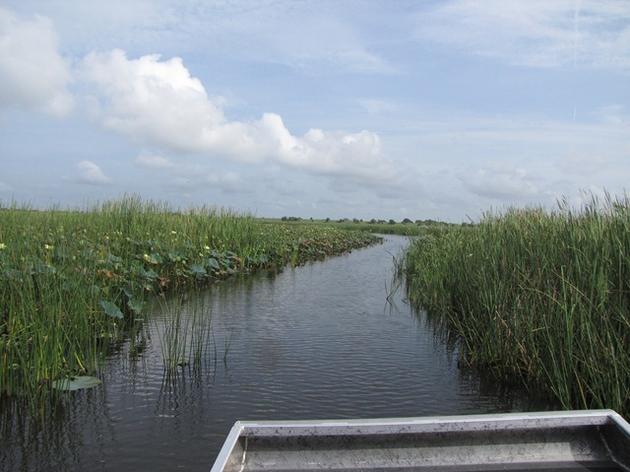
(152,258)
(198,270)
(76,383)
(111,309)
(135,305)
(213,264)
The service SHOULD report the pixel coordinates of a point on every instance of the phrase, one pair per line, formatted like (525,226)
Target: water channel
(318,341)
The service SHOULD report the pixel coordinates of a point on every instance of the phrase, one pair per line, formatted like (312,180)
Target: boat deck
(580,440)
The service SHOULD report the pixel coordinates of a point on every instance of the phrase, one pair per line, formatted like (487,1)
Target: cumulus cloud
(160,104)
(535,33)
(32,72)
(90,173)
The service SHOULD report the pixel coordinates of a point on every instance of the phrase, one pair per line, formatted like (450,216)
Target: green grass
(539,298)
(404,229)
(185,334)
(72,282)
(409,229)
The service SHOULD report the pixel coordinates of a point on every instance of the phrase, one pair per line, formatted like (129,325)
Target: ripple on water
(318,341)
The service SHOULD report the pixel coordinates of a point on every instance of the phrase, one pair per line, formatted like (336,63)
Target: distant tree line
(374,221)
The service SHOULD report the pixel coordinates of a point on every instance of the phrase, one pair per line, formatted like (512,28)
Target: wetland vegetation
(540,298)
(535,298)
(406,227)
(73,282)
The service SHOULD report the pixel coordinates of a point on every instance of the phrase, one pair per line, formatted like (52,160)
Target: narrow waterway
(319,341)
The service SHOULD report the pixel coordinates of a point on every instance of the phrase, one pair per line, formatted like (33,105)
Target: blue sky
(368,109)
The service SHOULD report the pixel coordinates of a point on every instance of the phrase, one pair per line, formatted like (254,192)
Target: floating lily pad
(198,270)
(76,383)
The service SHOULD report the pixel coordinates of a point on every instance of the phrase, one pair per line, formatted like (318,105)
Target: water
(319,341)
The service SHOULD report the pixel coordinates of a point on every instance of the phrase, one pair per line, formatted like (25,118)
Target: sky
(344,108)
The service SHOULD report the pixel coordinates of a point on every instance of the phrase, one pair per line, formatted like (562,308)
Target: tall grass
(403,229)
(71,282)
(537,297)
(185,332)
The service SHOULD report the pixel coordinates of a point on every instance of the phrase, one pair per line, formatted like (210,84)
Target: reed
(72,282)
(537,297)
(184,331)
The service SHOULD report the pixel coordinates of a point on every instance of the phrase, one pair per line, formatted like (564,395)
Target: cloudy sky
(342,108)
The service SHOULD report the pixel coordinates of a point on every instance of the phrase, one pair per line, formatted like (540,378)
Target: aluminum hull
(569,440)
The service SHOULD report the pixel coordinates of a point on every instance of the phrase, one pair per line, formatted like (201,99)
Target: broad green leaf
(198,270)
(135,305)
(76,383)
(152,258)
(111,309)
(149,274)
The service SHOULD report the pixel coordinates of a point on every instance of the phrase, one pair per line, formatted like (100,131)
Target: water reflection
(328,340)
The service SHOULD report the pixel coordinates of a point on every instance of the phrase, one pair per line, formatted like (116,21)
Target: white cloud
(316,38)
(537,33)
(585,164)
(153,161)
(159,104)
(90,173)
(307,41)
(501,183)
(32,72)
(227,182)
(615,115)
(227,177)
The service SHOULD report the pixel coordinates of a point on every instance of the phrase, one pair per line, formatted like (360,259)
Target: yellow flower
(2,246)
(207,248)
(173,232)
(49,247)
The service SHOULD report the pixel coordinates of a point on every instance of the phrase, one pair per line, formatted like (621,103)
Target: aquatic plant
(537,297)
(372,226)
(73,282)
(184,331)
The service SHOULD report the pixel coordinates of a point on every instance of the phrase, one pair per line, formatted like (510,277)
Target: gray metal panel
(451,441)
(231,450)
(504,421)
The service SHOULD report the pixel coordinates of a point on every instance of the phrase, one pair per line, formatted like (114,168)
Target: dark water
(319,341)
